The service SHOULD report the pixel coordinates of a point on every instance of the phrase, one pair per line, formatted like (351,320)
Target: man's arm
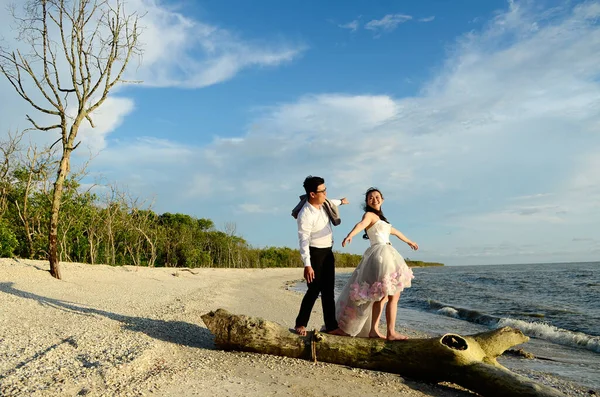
(338,202)
(304,229)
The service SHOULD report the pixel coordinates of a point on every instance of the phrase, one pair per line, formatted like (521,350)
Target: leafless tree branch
(37,127)
(89,43)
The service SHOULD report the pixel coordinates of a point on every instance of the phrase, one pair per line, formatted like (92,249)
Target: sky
(478,120)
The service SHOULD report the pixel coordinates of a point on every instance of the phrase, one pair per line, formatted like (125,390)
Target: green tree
(8,240)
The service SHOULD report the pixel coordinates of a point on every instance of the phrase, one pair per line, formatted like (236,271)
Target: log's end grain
(455,342)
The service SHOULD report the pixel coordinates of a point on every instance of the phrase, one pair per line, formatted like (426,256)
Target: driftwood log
(468,361)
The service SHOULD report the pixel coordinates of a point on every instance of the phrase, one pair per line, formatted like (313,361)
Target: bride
(379,277)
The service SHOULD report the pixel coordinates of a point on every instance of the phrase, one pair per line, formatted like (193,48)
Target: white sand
(120,331)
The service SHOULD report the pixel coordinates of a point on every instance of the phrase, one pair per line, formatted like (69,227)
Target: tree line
(113,227)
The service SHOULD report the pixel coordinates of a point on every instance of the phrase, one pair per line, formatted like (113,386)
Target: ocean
(557,305)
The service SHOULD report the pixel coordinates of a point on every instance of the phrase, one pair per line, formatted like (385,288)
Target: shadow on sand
(178,332)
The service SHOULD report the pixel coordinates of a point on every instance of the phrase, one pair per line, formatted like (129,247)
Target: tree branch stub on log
(468,361)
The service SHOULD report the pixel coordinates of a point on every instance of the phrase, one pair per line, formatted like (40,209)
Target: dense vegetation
(114,228)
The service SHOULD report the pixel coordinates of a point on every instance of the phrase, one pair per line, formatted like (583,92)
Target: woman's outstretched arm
(402,237)
(368,219)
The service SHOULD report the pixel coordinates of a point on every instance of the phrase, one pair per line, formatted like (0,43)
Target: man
(316,239)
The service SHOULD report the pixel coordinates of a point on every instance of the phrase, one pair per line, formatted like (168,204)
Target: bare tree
(144,223)
(141,229)
(112,220)
(74,52)
(9,149)
(230,230)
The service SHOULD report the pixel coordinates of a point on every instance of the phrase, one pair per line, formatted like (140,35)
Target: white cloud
(427,19)
(180,51)
(145,151)
(587,176)
(514,216)
(106,119)
(353,26)
(388,23)
(254,208)
(200,186)
(532,196)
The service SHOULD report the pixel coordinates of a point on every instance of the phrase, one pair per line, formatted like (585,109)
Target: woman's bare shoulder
(371,218)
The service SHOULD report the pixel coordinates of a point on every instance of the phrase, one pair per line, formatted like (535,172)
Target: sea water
(557,305)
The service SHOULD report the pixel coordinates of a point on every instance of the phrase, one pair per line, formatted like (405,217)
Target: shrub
(8,240)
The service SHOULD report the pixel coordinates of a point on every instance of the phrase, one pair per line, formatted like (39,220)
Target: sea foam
(449,311)
(553,334)
(534,329)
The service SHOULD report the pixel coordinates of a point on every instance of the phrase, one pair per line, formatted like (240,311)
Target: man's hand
(309,274)
(345,201)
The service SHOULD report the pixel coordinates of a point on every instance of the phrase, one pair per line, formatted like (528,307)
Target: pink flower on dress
(364,291)
(360,293)
(392,283)
(348,314)
(389,285)
(354,292)
(376,291)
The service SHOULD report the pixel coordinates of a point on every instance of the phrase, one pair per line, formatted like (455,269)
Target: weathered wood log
(468,361)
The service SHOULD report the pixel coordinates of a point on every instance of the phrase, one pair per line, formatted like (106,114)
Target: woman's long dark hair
(368,208)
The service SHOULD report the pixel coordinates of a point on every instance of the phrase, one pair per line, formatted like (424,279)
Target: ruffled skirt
(382,271)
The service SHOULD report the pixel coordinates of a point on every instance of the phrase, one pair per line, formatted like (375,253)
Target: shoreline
(127,331)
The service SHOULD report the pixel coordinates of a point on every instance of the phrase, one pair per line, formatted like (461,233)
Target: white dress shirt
(314,229)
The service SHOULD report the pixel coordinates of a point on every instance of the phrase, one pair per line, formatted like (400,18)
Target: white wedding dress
(382,271)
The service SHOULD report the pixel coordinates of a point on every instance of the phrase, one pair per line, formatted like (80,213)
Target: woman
(381,275)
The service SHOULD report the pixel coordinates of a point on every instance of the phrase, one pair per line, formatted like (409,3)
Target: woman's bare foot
(337,331)
(301,330)
(376,334)
(396,336)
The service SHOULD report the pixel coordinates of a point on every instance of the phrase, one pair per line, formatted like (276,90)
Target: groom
(315,215)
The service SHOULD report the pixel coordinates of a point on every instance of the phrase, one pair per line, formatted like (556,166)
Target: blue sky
(478,120)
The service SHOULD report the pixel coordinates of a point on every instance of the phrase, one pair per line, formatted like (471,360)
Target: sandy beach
(126,331)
